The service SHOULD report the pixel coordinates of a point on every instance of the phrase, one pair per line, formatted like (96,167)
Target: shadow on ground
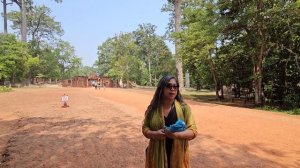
(52,142)
(234,102)
(219,154)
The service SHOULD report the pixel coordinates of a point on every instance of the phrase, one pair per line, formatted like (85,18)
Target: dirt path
(102,128)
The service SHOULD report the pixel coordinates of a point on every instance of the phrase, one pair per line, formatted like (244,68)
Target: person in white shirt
(65,99)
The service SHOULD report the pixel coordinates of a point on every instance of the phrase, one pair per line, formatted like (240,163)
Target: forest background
(248,47)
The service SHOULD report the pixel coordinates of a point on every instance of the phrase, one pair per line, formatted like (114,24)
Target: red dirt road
(102,128)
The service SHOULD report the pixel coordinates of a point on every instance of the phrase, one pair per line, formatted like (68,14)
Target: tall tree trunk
(178,59)
(23,21)
(213,75)
(5,16)
(258,84)
(149,70)
(260,55)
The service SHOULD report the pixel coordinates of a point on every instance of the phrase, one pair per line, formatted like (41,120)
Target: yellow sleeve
(145,126)
(189,119)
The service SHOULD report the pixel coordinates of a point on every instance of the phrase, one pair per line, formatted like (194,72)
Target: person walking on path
(168,149)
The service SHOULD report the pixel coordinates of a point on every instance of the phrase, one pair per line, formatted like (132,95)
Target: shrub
(5,89)
(292,100)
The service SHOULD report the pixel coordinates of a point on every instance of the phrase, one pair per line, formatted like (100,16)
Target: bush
(292,100)
(293,111)
(5,89)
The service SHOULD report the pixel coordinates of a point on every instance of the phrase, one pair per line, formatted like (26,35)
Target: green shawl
(156,156)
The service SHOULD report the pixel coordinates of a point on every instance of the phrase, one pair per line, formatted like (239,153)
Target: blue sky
(88,23)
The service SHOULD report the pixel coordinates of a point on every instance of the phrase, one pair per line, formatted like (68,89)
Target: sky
(89,23)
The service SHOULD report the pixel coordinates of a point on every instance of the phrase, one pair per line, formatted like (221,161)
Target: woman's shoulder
(150,110)
(185,107)
(184,104)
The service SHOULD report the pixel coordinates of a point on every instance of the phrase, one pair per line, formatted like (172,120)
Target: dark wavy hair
(158,95)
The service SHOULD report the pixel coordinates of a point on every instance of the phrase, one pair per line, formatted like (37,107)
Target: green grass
(208,96)
(202,95)
(5,89)
(294,111)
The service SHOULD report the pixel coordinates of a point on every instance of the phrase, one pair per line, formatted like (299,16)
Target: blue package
(177,127)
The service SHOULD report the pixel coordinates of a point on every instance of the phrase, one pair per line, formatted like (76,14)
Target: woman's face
(171,89)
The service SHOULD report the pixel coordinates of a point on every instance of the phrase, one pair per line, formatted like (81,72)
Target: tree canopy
(140,57)
(250,47)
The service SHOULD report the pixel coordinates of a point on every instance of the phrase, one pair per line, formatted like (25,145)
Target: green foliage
(106,56)
(229,42)
(49,65)
(140,57)
(237,64)
(41,29)
(293,111)
(153,51)
(40,25)
(34,67)
(267,33)
(85,71)
(66,59)
(198,42)
(5,89)
(292,100)
(13,59)
(59,62)
(281,67)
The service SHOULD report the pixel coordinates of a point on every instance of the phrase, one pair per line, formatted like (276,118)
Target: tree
(67,60)
(281,67)
(199,38)
(251,20)
(23,5)
(34,69)
(13,59)
(163,61)
(4,3)
(175,7)
(40,25)
(86,71)
(144,38)
(124,59)
(178,59)
(132,57)
(106,56)
(151,50)
(49,64)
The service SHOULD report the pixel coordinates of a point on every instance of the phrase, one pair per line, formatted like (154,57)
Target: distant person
(99,85)
(95,85)
(168,149)
(65,99)
(104,86)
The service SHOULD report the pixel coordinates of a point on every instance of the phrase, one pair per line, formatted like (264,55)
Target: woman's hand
(186,134)
(159,134)
(169,134)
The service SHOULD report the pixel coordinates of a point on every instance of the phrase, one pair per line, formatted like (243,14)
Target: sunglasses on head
(172,86)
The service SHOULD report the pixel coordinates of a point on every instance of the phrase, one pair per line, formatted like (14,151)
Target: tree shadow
(219,154)
(233,102)
(112,143)
(55,142)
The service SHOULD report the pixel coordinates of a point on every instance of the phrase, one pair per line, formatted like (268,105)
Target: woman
(167,149)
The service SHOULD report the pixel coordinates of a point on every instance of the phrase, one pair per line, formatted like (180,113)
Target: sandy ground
(102,129)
